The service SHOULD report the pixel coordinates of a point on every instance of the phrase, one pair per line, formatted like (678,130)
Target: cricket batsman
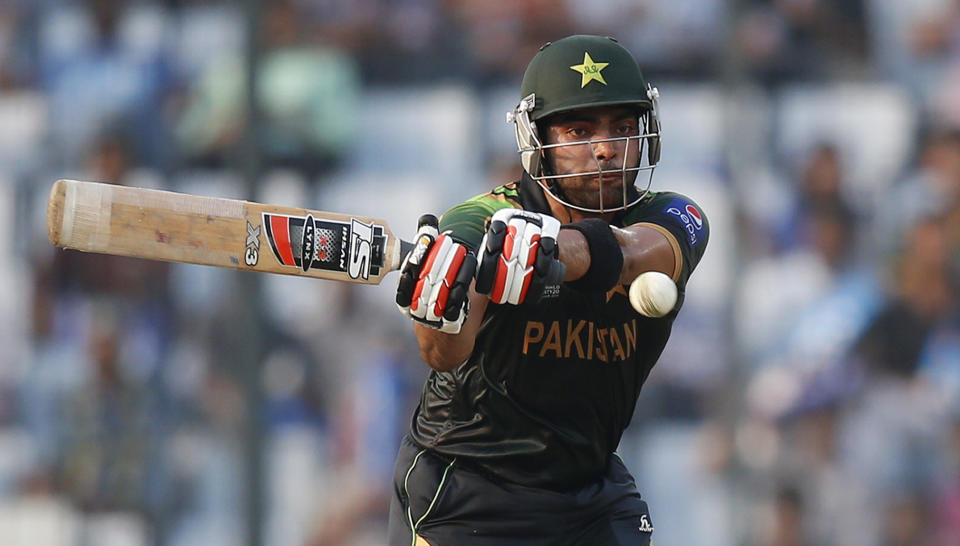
(519,304)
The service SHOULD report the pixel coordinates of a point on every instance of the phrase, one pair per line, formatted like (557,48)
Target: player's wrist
(606,256)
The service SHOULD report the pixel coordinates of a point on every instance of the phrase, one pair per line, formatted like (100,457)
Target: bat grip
(405,248)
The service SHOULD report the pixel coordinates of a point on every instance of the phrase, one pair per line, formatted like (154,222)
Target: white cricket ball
(653,294)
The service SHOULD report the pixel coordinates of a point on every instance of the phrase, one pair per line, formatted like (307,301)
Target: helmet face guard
(553,85)
(640,156)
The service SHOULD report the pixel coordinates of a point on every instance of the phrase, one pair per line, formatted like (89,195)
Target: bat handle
(427,220)
(405,248)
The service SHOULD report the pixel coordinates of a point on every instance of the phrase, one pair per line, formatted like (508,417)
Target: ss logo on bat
(361,248)
(252,254)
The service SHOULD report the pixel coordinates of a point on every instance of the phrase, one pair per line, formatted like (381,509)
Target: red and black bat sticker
(354,247)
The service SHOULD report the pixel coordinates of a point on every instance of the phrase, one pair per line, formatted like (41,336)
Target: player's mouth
(612,177)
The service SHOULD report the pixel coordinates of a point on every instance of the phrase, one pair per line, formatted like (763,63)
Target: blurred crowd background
(810,393)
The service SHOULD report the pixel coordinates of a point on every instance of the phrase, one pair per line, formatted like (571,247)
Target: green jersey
(550,386)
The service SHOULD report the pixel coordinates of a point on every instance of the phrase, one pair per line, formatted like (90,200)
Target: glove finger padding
(548,270)
(490,250)
(427,233)
(432,290)
(519,257)
(434,280)
(458,303)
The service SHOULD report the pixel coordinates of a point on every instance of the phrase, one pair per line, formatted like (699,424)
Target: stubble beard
(585,192)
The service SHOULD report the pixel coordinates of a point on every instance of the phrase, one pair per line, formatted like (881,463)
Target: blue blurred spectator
(923,296)
(914,42)
(93,401)
(788,40)
(682,38)
(893,436)
(818,187)
(932,188)
(104,63)
(499,34)
(802,306)
(309,100)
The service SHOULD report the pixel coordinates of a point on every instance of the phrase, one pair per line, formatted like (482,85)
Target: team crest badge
(589,71)
(305,242)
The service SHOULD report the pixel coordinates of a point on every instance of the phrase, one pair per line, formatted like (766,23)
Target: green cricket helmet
(584,72)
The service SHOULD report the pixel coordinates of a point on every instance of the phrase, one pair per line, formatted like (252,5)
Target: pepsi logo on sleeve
(690,217)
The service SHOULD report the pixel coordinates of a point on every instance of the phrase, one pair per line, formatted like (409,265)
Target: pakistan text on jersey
(580,339)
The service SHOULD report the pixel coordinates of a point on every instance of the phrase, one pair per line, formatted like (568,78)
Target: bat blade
(178,227)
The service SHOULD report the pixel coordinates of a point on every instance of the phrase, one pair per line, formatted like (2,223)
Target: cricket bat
(178,227)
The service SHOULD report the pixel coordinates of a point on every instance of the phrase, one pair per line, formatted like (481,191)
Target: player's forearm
(444,352)
(644,249)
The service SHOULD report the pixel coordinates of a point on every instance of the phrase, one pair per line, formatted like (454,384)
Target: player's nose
(606,149)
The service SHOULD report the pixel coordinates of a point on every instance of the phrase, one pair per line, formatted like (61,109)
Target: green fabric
(468,220)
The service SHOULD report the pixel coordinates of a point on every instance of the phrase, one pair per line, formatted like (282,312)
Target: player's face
(586,150)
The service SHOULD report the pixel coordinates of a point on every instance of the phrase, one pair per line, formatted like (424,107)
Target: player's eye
(627,129)
(577,132)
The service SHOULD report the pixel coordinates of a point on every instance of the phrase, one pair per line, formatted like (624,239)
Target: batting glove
(519,257)
(434,279)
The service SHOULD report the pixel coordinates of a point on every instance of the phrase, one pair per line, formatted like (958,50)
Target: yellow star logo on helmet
(589,71)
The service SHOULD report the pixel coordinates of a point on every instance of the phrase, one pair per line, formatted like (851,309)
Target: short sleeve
(681,220)
(467,221)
